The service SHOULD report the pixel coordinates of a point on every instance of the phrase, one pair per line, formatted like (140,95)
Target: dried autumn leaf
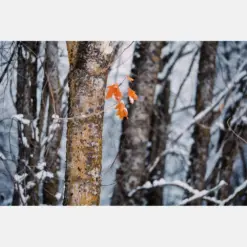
(129,78)
(121,110)
(132,95)
(114,91)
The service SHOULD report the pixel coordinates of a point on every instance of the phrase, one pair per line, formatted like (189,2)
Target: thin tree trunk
(230,138)
(229,143)
(51,157)
(201,133)
(158,137)
(26,105)
(135,137)
(89,66)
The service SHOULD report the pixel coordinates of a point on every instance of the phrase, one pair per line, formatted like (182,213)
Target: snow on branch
(176,55)
(2,156)
(203,193)
(44,174)
(20,117)
(172,151)
(241,188)
(20,178)
(196,193)
(205,112)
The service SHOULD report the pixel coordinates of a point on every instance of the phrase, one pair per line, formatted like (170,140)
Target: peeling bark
(89,66)
(201,133)
(135,137)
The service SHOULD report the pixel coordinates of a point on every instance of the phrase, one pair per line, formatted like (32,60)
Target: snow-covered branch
(196,193)
(241,188)
(203,193)
(172,151)
(20,118)
(175,57)
(205,112)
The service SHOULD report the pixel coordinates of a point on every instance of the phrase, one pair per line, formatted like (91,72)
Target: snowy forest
(133,123)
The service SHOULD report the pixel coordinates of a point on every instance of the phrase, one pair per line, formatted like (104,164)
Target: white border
(123,226)
(123,20)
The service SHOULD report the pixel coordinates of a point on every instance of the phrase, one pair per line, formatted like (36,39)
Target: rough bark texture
(135,137)
(26,105)
(158,138)
(51,157)
(228,142)
(201,133)
(89,66)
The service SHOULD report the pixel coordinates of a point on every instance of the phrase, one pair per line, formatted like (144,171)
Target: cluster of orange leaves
(115,93)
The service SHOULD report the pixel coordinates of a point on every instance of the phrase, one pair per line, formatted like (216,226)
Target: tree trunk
(89,66)
(201,133)
(26,105)
(54,132)
(135,137)
(158,137)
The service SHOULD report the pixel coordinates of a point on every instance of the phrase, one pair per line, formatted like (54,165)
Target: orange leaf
(129,78)
(132,95)
(121,110)
(114,91)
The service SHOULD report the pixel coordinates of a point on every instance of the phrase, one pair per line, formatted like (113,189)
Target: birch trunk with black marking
(201,133)
(136,129)
(89,67)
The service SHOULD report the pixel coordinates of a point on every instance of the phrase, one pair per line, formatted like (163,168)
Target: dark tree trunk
(201,133)
(26,105)
(135,137)
(159,135)
(54,131)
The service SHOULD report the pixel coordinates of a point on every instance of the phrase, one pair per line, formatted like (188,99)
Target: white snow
(43,174)
(58,196)
(2,156)
(21,118)
(41,165)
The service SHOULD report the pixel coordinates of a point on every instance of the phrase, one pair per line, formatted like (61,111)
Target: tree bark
(26,105)
(54,132)
(135,137)
(158,137)
(89,66)
(201,133)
